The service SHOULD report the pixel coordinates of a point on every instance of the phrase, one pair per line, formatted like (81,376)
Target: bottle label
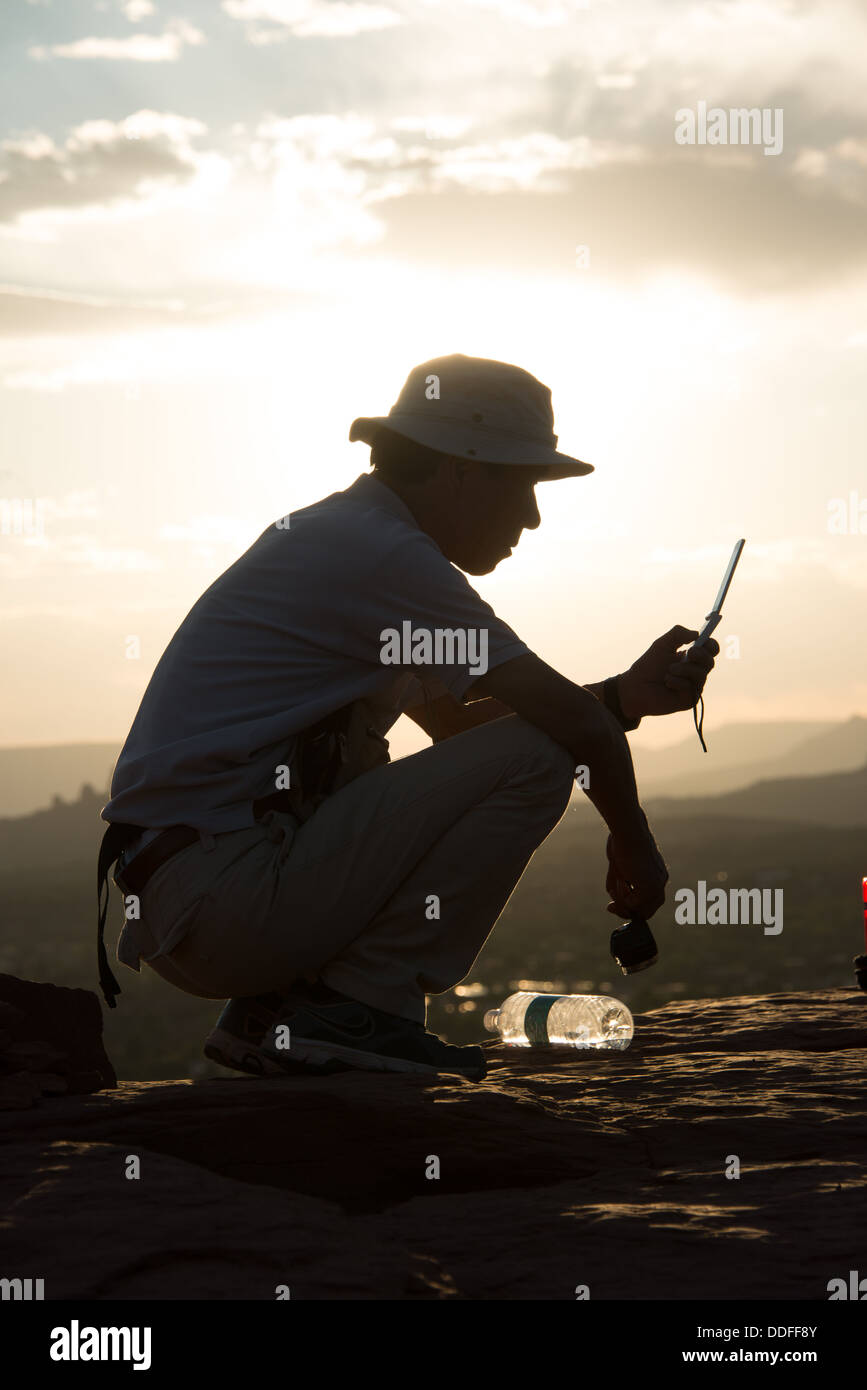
(536,1019)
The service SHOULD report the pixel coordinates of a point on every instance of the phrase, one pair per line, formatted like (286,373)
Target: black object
(860,963)
(698,720)
(114,841)
(611,700)
(633,946)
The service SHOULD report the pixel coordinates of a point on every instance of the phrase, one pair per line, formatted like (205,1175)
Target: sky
(226,229)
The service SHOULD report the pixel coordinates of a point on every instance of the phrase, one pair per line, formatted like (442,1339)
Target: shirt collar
(381,495)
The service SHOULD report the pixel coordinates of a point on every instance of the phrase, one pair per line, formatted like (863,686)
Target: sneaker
(326,1026)
(236,1038)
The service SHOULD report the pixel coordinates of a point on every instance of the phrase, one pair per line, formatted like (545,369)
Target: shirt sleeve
(414,695)
(417,612)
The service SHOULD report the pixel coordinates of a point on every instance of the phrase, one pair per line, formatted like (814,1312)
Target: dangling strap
(114,842)
(699,720)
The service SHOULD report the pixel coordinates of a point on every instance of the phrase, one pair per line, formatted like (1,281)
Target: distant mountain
(733,744)
(31,777)
(67,832)
(840,744)
(837,799)
(740,754)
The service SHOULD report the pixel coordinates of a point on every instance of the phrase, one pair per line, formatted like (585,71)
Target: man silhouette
(280,861)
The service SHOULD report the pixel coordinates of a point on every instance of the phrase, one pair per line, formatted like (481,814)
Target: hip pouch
(331,754)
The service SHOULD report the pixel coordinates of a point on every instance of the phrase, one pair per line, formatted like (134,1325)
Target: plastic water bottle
(584,1021)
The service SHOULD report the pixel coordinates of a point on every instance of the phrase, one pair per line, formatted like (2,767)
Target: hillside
(30,778)
(836,799)
(740,754)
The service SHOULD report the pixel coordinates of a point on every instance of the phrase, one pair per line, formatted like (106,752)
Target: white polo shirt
(289,633)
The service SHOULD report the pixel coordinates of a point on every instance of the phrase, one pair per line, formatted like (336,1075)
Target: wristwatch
(611,700)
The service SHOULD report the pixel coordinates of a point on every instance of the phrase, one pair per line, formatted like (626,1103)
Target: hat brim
(483,446)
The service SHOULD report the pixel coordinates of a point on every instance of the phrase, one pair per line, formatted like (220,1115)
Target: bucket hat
(476,408)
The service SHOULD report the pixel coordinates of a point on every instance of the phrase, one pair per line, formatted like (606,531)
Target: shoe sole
(229,1051)
(237,1055)
(305,1050)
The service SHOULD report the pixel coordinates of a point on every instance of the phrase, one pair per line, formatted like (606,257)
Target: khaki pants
(387,893)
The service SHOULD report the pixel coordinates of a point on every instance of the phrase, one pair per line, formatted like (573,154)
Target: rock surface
(559,1170)
(50,1043)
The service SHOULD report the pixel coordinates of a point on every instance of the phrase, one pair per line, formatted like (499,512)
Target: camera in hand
(633,946)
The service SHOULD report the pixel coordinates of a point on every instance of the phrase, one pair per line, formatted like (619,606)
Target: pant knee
(562,768)
(553,763)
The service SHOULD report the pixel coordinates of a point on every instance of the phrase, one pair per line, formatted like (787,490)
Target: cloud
(122,371)
(59,532)
(136,10)
(206,534)
(534,14)
(616,81)
(423,154)
(725,220)
(469,195)
(101,162)
(31,313)
(332,19)
(51,313)
(140,48)
(770,561)
(560,137)
(84,553)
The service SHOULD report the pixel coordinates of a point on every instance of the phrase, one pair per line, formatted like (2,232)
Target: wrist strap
(611,700)
(698,721)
